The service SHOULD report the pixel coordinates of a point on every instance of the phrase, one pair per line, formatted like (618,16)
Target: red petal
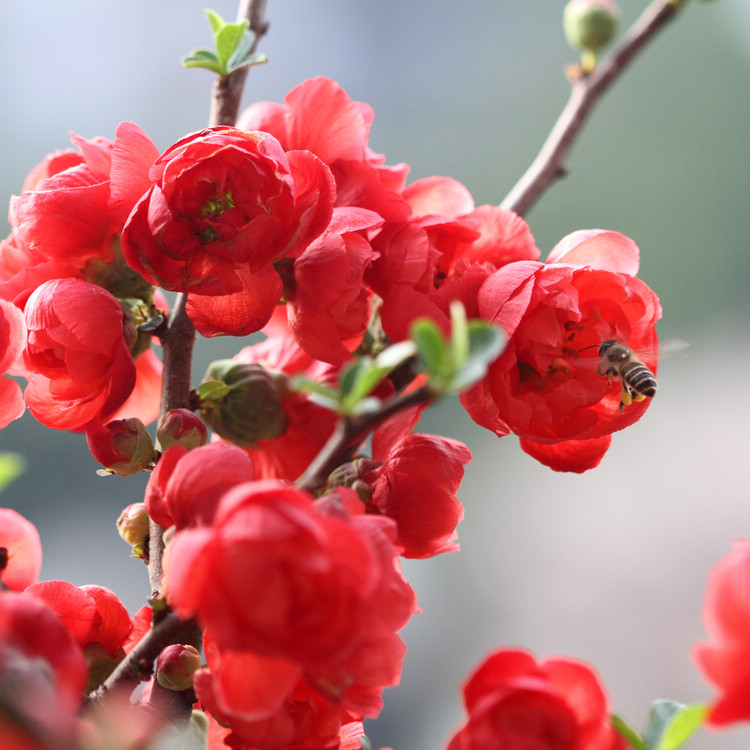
(569,455)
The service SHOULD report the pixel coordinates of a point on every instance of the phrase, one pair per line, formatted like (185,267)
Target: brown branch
(138,664)
(349,433)
(177,340)
(549,164)
(227,90)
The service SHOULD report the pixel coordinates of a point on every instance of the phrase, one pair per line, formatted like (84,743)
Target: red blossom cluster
(289,224)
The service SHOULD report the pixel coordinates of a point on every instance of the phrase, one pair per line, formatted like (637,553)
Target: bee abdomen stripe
(639,378)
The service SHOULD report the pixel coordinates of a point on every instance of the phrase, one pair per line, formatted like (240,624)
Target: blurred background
(609,566)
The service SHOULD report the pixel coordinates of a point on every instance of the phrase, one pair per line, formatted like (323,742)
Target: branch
(138,664)
(179,336)
(227,90)
(549,164)
(348,435)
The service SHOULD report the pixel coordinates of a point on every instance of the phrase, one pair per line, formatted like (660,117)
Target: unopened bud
(181,427)
(176,665)
(242,402)
(117,277)
(123,446)
(589,25)
(133,524)
(357,475)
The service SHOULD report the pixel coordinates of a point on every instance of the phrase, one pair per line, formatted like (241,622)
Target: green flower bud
(589,25)
(133,524)
(243,402)
(117,277)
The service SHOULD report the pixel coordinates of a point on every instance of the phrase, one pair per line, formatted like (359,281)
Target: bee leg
(626,398)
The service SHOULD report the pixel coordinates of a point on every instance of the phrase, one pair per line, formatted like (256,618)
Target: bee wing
(672,347)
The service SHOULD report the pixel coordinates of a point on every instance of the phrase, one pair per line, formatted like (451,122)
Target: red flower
(305,720)
(75,202)
(79,363)
(223,206)
(514,701)
(725,658)
(186,486)
(319,116)
(416,486)
(442,253)
(42,672)
(546,387)
(315,593)
(20,550)
(12,342)
(329,306)
(92,614)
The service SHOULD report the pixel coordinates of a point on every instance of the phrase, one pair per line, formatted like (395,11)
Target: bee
(619,361)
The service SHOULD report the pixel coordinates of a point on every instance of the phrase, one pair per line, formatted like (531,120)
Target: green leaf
(242,50)
(627,733)
(202,58)
(430,345)
(213,390)
(681,725)
(459,335)
(227,40)
(256,59)
(486,342)
(302,384)
(12,465)
(216,21)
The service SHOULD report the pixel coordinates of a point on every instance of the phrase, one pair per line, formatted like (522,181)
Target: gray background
(609,566)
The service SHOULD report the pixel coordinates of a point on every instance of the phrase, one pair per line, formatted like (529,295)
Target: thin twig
(177,339)
(137,665)
(349,433)
(549,165)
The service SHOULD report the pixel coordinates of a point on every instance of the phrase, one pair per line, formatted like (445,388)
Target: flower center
(212,210)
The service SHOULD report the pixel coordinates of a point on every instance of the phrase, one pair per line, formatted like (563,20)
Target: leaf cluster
(669,726)
(233,44)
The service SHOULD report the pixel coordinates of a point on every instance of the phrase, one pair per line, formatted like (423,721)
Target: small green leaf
(396,354)
(367,381)
(459,335)
(202,58)
(365,406)
(301,384)
(227,40)
(216,21)
(486,342)
(242,48)
(256,59)
(213,390)
(684,722)
(12,465)
(430,345)
(627,733)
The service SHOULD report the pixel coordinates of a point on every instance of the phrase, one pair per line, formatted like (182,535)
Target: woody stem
(549,164)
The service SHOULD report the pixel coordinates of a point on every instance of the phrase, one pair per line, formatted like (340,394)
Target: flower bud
(589,25)
(181,427)
(123,446)
(117,277)
(133,524)
(176,665)
(242,402)
(357,475)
